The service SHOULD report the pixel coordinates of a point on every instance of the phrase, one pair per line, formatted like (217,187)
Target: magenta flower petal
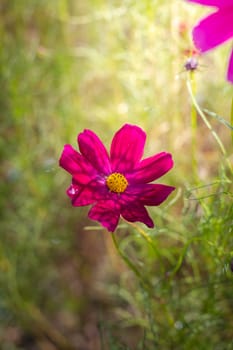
(230,68)
(137,212)
(94,151)
(216,3)
(69,159)
(149,194)
(73,162)
(214,29)
(107,213)
(127,148)
(151,168)
(90,194)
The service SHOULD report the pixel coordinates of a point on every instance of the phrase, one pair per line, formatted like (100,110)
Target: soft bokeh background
(67,65)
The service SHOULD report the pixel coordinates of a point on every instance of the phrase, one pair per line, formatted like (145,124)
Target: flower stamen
(116,182)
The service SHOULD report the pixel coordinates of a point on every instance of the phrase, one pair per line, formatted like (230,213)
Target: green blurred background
(67,65)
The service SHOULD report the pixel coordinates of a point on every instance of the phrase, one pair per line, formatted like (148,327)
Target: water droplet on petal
(72,191)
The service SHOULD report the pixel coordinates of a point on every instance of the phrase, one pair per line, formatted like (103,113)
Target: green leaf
(220,119)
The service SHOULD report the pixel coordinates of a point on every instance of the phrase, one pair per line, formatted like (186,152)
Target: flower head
(215,29)
(116,183)
(191,64)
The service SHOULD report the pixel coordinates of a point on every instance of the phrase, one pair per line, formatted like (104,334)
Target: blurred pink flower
(117,183)
(215,29)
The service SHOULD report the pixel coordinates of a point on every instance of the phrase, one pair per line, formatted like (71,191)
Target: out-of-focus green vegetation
(67,65)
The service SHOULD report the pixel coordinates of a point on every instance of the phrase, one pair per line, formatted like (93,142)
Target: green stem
(145,236)
(232,118)
(131,265)
(148,239)
(202,115)
(194,129)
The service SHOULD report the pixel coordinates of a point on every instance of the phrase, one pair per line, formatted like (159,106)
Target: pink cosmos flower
(215,28)
(117,183)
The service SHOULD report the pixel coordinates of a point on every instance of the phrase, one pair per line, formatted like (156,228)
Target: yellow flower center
(116,182)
